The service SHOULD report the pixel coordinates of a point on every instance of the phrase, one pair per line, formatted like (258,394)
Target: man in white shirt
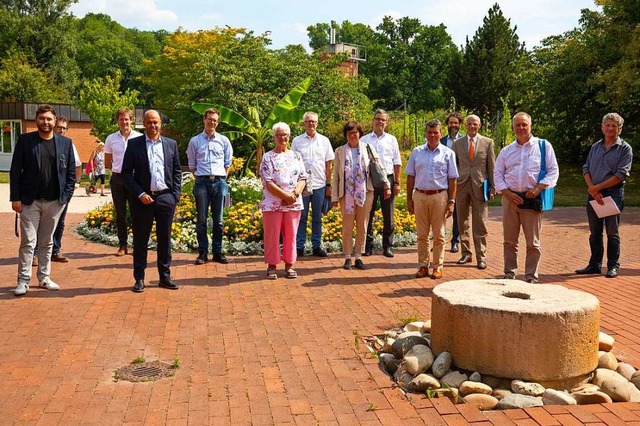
(114,148)
(516,178)
(386,146)
(317,155)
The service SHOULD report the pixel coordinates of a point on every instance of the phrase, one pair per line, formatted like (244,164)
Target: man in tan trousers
(476,160)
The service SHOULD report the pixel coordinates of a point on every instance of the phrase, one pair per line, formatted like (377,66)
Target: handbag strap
(542,143)
(372,157)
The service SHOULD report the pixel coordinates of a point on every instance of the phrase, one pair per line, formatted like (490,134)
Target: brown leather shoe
(59,257)
(121,251)
(437,274)
(422,272)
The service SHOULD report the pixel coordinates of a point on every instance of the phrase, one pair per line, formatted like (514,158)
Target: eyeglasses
(282,135)
(382,120)
(61,128)
(212,120)
(311,121)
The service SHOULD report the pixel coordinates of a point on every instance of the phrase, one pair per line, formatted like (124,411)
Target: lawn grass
(570,191)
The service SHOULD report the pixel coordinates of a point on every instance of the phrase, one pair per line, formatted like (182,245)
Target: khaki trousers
(430,216)
(361,220)
(38,220)
(531,222)
(465,201)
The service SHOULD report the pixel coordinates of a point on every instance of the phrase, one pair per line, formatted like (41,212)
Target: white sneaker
(49,285)
(21,289)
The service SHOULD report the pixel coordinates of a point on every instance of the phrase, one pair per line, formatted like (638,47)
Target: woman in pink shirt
(283,180)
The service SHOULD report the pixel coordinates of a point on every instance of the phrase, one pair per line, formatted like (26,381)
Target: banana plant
(251,127)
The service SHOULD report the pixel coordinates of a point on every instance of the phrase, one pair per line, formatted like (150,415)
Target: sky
(287,20)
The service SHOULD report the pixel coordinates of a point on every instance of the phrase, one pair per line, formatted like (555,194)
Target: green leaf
(288,102)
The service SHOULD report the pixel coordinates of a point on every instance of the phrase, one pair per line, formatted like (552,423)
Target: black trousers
(120,195)
(387,207)
(142,217)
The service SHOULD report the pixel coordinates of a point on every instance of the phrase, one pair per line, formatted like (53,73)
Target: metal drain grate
(145,372)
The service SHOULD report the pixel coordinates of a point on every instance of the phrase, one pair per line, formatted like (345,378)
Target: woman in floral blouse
(353,190)
(283,180)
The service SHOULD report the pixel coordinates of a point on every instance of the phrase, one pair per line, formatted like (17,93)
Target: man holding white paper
(605,171)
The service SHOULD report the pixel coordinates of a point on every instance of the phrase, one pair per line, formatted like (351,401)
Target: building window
(10,131)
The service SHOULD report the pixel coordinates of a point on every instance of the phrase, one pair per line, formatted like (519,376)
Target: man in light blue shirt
(209,155)
(431,193)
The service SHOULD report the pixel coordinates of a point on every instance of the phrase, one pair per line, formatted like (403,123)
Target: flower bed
(242,223)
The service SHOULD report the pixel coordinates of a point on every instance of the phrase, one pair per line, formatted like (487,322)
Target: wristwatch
(452,201)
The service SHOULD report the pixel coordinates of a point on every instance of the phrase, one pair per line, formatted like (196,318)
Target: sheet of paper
(609,208)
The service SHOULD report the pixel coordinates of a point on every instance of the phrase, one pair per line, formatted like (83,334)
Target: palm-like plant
(251,127)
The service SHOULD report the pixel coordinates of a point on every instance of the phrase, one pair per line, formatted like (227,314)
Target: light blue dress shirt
(155,153)
(209,156)
(432,169)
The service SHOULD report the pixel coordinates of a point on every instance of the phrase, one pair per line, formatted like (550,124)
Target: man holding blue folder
(476,160)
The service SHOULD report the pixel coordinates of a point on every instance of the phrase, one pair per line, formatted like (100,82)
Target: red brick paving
(254,351)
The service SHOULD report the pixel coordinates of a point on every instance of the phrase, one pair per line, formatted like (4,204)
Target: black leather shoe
(588,270)
(168,283)
(359,265)
(454,248)
(347,264)
(319,252)
(611,273)
(202,259)
(482,265)
(466,258)
(138,287)
(368,252)
(388,252)
(220,258)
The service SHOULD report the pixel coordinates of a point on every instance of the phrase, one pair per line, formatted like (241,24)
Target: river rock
(441,365)
(527,388)
(608,360)
(475,377)
(496,382)
(500,393)
(621,391)
(469,387)
(418,359)
(402,345)
(482,401)
(414,326)
(406,334)
(605,342)
(391,333)
(453,379)
(426,327)
(422,382)
(515,400)
(403,377)
(585,387)
(389,362)
(555,397)
(602,374)
(627,370)
(591,397)
(636,374)
(636,381)
(387,345)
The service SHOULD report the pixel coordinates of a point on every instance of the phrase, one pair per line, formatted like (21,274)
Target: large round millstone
(511,329)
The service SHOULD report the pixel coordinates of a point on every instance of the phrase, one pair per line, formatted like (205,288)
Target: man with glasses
(209,155)
(317,155)
(386,146)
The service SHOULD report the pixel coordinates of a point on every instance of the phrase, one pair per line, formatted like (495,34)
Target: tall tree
(21,82)
(490,66)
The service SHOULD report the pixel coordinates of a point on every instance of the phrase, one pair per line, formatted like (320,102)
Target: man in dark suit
(151,169)
(42,180)
(476,161)
(453,122)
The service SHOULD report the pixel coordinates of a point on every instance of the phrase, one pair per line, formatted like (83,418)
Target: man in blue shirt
(605,171)
(209,155)
(431,195)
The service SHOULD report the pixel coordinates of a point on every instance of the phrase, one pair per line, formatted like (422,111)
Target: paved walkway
(259,351)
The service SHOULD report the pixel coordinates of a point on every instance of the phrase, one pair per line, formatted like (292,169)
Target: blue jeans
(209,194)
(316,201)
(610,224)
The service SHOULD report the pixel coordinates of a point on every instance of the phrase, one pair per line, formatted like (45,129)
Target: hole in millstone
(145,372)
(516,295)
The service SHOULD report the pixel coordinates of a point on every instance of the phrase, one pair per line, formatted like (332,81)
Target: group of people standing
(446,176)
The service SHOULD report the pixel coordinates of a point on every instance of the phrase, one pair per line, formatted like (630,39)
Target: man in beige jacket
(476,160)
